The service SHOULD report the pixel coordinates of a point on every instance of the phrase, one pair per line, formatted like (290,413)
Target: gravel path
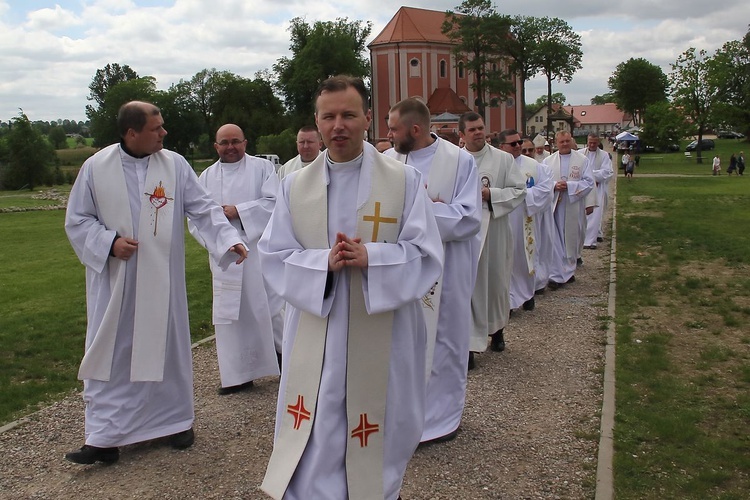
(530,429)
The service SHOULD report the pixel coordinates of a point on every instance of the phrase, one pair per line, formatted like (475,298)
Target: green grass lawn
(683,338)
(42,309)
(676,162)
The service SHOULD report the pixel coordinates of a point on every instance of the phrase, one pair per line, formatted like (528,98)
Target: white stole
(152,276)
(380,205)
(441,183)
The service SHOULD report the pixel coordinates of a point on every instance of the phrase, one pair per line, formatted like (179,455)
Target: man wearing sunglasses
(531,223)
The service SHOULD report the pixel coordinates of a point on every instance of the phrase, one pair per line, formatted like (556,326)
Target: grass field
(676,162)
(683,338)
(42,309)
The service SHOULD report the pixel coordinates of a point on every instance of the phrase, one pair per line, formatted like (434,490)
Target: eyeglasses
(529,150)
(514,143)
(233,142)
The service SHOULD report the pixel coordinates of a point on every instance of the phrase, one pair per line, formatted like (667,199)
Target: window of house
(443,68)
(414,68)
(461,69)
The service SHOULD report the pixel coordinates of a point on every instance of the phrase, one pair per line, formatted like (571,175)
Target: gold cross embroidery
(376,219)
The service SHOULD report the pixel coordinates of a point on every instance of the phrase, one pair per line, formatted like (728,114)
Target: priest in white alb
(245,186)
(503,189)
(452,184)
(352,246)
(601,168)
(125,221)
(573,182)
(528,236)
(308,148)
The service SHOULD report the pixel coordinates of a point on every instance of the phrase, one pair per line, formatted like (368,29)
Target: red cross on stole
(364,429)
(298,411)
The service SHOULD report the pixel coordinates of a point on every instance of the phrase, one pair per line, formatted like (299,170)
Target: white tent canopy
(626,136)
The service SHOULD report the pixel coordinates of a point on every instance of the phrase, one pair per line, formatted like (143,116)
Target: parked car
(706,145)
(729,134)
(272,158)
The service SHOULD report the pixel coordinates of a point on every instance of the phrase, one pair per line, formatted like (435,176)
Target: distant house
(561,120)
(411,57)
(601,119)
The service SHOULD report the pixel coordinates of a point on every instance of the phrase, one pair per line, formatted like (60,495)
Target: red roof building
(411,57)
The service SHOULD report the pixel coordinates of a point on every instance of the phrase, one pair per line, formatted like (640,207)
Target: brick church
(411,57)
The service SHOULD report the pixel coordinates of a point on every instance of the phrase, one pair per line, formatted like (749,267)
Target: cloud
(51,19)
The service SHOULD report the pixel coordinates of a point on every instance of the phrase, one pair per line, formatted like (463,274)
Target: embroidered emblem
(575,172)
(529,181)
(298,411)
(158,199)
(376,219)
(427,299)
(364,429)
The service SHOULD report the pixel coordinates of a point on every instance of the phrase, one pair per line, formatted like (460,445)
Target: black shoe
(529,304)
(579,262)
(278,358)
(589,247)
(554,285)
(223,391)
(497,343)
(472,365)
(91,454)
(182,440)
(599,239)
(572,279)
(442,439)
(539,292)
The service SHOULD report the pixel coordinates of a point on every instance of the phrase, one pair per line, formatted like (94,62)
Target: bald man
(243,311)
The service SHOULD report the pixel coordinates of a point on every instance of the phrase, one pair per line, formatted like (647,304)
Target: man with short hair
(308,148)
(245,186)
(529,237)
(125,221)
(601,169)
(453,186)
(573,181)
(345,232)
(503,188)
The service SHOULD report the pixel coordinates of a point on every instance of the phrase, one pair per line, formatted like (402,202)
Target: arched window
(443,68)
(461,69)
(414,68)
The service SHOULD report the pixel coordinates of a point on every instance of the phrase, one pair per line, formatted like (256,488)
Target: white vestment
(459,219)
(490,301)
(118,411)
(397,277)
(569,211)
(241,310)
(528,235)
(601,169)
(292,165)
(545,223)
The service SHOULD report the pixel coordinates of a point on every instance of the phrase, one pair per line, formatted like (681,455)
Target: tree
(693,91)
(603,99)
(557,98)
(635,84)
(283,144)
(559,55)
(320,51)
(521,48)
(663,125)
(104,120)
(479,34)
(729,73)
(57,137)
(104,80)
(29,156)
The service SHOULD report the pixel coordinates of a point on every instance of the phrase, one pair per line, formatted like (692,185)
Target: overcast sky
(50,51)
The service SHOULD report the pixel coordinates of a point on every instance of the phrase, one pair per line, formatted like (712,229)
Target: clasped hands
(347,252)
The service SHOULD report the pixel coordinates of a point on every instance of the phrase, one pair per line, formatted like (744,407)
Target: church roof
(445,100)
(410,24)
